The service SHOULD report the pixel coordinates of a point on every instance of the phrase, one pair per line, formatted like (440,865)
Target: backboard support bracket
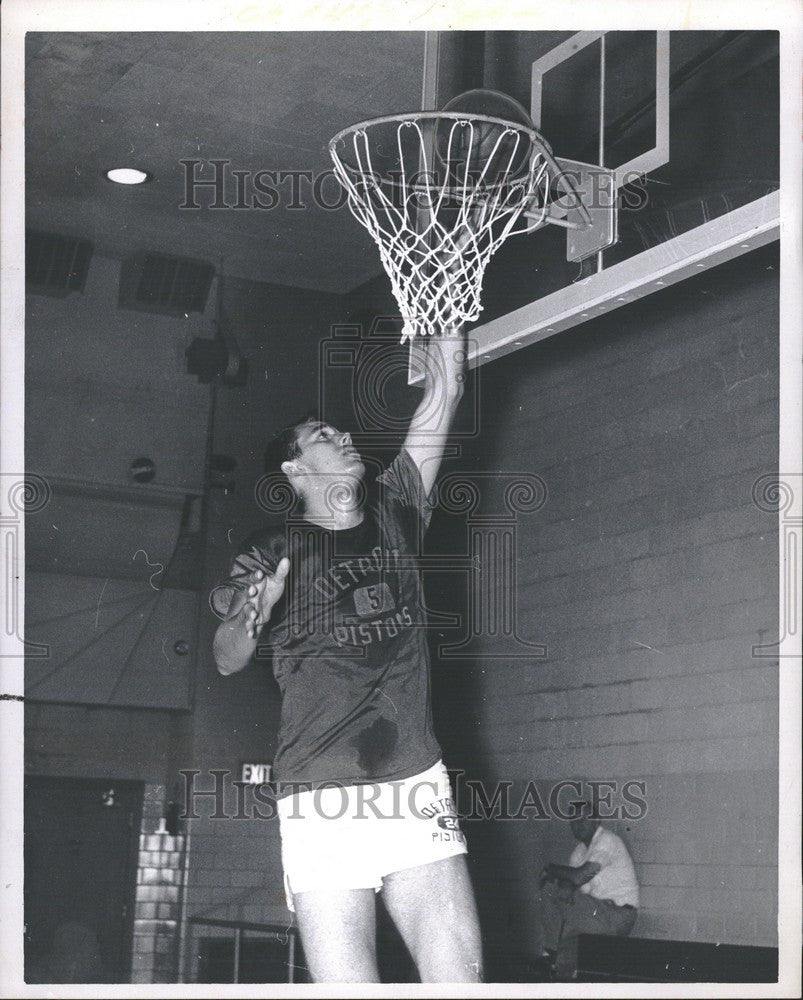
(586,207)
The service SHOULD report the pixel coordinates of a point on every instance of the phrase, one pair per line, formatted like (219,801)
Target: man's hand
(569,875)
(263,594)
(545,876)
(236,636)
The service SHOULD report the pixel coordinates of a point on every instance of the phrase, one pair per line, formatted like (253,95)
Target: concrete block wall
(160,878)
(650,575)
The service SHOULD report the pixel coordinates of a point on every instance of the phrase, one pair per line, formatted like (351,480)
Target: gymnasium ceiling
(267,101)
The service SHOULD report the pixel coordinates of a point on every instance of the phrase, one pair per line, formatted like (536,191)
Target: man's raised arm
(443,389)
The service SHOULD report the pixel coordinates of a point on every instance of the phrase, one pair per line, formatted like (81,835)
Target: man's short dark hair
(283,446)
(586,810)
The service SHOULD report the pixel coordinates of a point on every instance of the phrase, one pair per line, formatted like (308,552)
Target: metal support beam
(238,937)
(429,102)
(291,958)
(429,81)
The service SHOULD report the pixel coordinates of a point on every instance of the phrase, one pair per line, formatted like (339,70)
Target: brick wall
(649,574)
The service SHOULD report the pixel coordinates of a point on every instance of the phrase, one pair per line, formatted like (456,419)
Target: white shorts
(352,836)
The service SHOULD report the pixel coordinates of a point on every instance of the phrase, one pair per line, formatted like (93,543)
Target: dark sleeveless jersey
(348,639)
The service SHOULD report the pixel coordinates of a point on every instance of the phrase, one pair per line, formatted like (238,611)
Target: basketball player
(364,800)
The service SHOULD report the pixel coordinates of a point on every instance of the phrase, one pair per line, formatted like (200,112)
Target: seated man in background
(596,893)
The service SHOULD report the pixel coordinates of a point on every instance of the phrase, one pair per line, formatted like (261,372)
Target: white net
(439,194)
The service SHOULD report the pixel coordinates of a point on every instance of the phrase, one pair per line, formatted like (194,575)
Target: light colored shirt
(616,880)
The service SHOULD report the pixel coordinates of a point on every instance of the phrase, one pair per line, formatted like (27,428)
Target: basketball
(476,148)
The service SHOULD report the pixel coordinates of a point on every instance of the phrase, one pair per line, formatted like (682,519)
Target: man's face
(583,828)
(328,451)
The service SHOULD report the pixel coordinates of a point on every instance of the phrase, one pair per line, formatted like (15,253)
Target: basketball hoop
(439,192)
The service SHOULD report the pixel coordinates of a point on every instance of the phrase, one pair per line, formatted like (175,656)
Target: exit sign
(256,774)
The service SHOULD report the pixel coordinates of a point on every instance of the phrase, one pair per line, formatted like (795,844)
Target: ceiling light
(127,175)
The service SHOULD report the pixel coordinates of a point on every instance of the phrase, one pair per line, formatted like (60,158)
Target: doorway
(81,845)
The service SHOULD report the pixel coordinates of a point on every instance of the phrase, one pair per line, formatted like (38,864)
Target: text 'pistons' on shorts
(352,836)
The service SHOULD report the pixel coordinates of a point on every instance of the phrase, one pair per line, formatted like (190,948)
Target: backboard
(687,122)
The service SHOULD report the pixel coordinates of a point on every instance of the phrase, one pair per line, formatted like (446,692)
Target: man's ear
(291,469)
